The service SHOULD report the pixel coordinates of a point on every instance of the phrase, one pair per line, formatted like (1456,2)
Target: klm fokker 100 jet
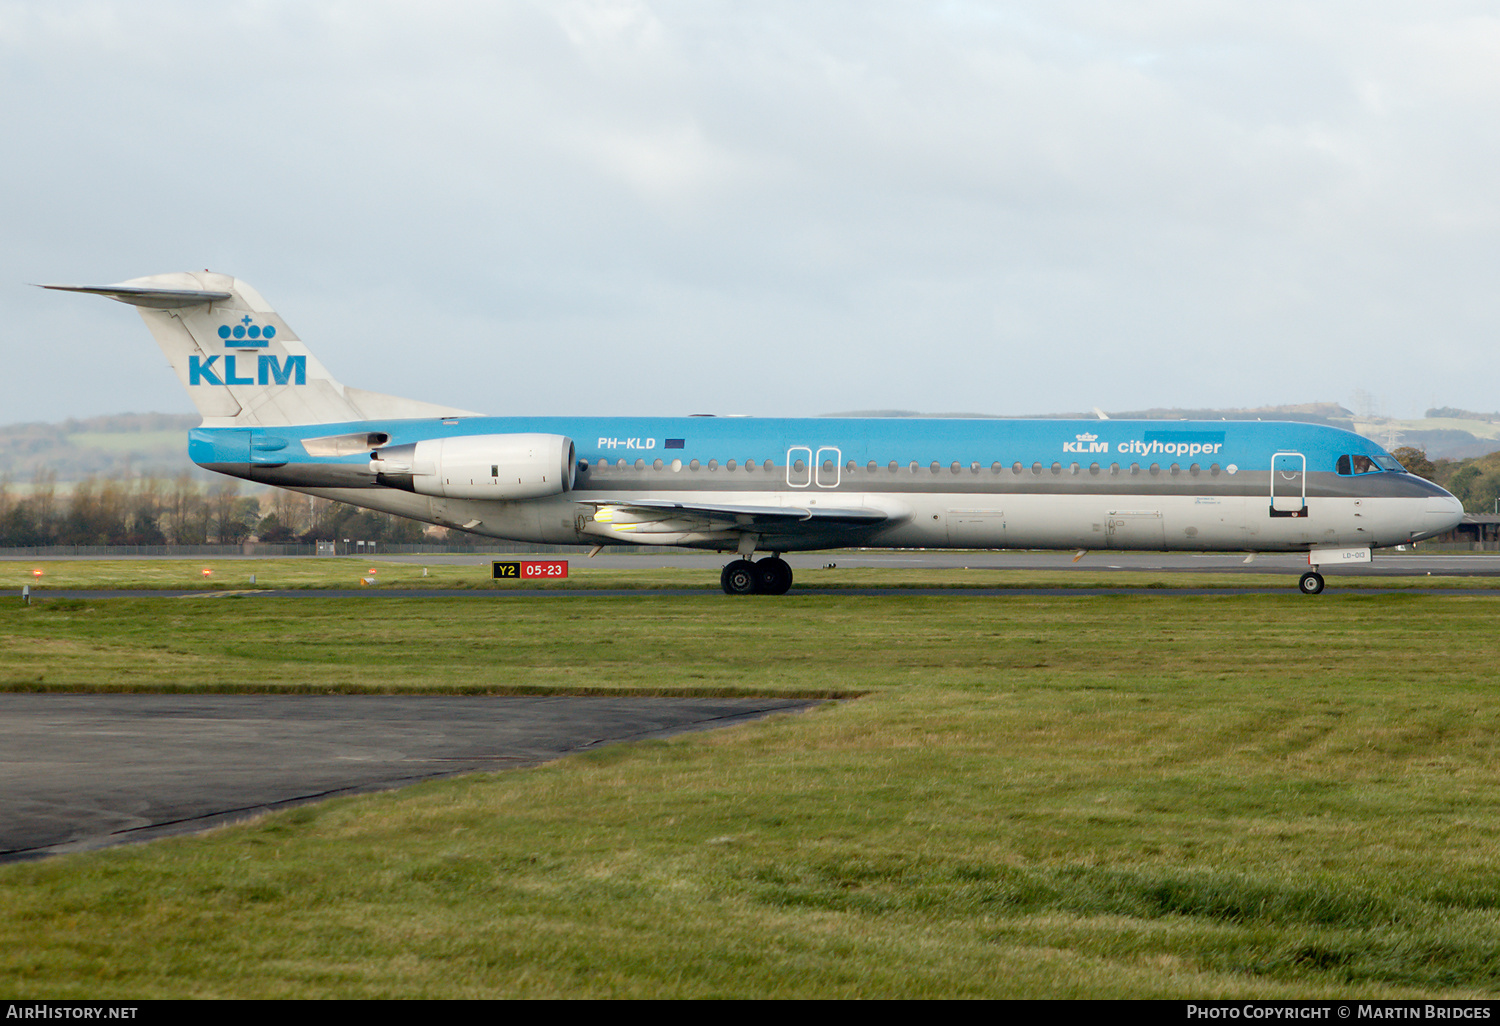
(272,413)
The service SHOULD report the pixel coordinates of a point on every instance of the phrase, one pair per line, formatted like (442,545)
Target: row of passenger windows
(914,467)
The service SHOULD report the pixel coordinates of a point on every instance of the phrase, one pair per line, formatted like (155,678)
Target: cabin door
(1288,485)
(1136,529)
(976,528)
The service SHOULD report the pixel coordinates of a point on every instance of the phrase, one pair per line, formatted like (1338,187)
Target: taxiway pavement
(85,771)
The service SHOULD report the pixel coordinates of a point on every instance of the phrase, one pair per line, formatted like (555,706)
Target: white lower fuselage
(955,520)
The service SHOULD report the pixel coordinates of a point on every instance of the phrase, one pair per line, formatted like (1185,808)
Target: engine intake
(520,466)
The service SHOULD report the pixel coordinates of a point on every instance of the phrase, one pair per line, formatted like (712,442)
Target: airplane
(273,413)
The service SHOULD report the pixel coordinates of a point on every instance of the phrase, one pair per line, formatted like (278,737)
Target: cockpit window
(1359,463)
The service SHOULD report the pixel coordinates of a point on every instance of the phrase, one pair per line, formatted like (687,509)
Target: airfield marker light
(207,572)
(37,572)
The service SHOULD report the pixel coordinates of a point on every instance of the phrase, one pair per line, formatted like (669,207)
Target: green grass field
(349,572)
(1140,796)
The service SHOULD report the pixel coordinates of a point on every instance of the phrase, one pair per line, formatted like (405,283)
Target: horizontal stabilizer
(159,299)
(239,361)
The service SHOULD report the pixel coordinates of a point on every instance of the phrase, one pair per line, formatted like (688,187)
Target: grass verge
(242,575)
(1137,796)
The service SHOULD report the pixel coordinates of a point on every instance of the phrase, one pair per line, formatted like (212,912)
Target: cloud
(629,206)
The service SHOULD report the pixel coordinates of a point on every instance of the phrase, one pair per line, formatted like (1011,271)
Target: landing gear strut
(1311,583)
(769,576)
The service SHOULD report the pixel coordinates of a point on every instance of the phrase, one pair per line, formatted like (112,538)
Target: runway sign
(530,569)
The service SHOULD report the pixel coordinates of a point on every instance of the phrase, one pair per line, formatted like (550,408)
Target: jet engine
(519,466)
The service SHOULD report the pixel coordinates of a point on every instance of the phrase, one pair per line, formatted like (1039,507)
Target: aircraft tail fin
(239,361)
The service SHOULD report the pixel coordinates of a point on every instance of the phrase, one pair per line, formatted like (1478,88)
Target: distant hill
(1444,434)
(1312,413)
(117,446)
(155,444)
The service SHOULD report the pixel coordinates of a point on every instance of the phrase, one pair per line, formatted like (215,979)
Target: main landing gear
(1310,583)
(769,576)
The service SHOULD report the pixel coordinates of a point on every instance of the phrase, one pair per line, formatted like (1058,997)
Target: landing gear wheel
(739,578)
(774,576)
(1311,583)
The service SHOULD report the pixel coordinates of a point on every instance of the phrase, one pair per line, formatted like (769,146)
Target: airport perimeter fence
(258,550)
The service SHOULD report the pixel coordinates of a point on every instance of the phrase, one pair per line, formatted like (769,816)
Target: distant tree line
(1454,413)
(180,511)
(1475,481)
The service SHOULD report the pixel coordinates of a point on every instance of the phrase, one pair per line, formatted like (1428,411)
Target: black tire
(1311,583)
(739,578)
(774,575)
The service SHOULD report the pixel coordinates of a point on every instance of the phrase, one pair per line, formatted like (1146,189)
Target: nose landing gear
(1310,583)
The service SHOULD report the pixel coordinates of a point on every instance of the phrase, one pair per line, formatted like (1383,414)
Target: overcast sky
(765,207)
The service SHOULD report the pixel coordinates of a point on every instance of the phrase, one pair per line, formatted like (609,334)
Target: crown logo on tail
(246,334)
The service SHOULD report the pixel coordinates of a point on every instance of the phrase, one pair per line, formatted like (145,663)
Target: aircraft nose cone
(1443,514)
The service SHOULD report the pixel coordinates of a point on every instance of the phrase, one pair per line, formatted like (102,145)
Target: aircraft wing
(732,517)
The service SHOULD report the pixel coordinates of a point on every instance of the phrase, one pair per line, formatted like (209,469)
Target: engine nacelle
(520,466)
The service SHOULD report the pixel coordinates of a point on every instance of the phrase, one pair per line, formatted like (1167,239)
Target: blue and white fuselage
(1193,485)
(770,485)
